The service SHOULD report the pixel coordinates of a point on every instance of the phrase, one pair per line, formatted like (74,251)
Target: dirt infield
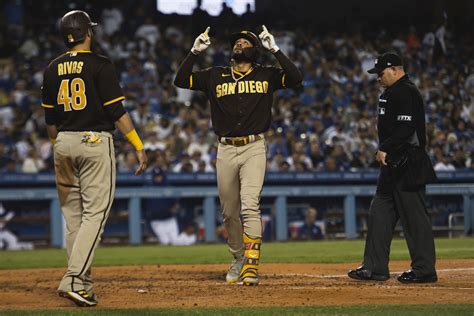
(204,286)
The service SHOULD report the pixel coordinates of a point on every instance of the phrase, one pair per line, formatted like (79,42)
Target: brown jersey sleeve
(109,91)
(277,78)
(48,100)
(108,86)
(199,80)
(187,79)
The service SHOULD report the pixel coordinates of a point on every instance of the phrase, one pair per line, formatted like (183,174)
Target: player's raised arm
(293,76)
(183,76)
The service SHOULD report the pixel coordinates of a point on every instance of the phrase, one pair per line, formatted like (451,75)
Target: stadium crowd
(328,124)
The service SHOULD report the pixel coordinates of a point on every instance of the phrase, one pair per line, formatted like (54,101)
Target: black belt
(240,141)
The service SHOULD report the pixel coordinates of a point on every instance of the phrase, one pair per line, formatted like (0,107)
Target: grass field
(382,310)
(287,252)
(297,252)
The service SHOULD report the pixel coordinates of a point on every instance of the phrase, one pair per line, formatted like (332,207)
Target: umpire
(405,168)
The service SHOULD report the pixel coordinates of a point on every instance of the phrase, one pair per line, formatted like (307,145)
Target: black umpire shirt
(401,113)
(240,106)
(81,92)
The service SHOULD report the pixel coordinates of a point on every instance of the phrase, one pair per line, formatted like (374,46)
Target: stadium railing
(21,187)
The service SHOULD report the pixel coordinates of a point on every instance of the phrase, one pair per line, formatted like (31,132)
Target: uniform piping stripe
(283,80)
(190,81)
(105,212)
(114,100)
(261,189)
(78,51)
(47,106)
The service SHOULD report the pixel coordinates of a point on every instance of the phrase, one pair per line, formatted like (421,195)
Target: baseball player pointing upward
(82,101)
(241,98)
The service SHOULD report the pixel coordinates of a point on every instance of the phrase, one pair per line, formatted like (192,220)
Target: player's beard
(247,55)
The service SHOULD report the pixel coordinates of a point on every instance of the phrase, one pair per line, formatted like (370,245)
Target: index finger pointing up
(207,30)
(264,28)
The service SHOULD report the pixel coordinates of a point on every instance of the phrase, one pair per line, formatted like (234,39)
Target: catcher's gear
(249,274)
(74,27)
(201,42)
(268,41)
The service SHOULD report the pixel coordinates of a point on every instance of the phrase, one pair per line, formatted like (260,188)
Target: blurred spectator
(8,240)
(311,228)
(161,212)
(185,164)
(127,162)
(112,19)
(444,164)
(188,235)
(32,163)
(327,125)
(149,31)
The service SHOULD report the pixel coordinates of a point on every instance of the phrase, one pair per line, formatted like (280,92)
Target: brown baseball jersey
(240,106)
(81,92)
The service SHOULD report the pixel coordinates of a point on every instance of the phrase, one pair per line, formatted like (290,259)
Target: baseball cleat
(80,298)
(249,274)
(251,278)
(233,274)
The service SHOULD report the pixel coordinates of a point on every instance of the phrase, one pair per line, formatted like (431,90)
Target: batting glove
(268,41)
(201,42)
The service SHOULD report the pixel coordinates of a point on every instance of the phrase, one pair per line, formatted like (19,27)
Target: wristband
(134,139)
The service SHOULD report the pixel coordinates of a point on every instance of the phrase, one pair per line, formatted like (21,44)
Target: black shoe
(80,298)
(410,277)
(361,273)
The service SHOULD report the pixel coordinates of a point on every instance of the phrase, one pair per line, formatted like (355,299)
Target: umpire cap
(251,37)
(74,26)
(384,61)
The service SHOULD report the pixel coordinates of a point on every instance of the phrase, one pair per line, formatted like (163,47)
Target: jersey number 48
(72,95)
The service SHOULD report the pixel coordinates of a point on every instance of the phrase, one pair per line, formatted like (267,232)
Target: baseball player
(82,101)
(241,98)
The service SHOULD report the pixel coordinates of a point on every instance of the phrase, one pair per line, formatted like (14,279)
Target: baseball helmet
(74,26)
(251,37)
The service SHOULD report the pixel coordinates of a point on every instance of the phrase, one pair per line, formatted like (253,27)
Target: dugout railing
(280,193)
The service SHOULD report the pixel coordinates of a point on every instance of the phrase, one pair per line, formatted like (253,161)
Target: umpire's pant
(384,212)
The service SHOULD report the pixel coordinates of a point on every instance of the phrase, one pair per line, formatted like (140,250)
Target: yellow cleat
(249,274)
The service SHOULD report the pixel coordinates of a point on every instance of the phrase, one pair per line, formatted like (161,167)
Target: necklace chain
(237,79)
